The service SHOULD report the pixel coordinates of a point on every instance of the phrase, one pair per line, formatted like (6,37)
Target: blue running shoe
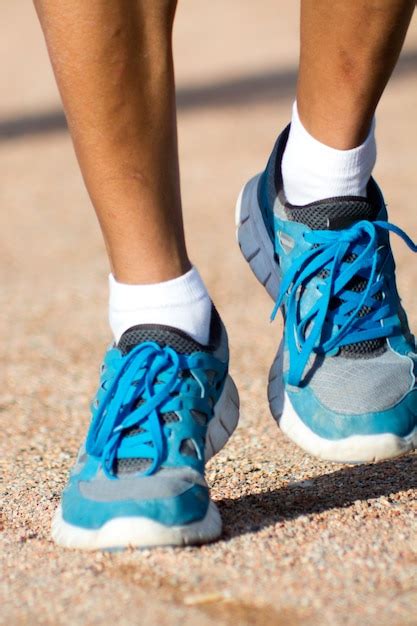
(164,406)
(343,384)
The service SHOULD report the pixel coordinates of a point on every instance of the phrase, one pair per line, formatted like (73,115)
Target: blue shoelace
(148,370)
(324,327)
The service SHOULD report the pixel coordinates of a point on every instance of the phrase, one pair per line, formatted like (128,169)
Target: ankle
(182,302)
(158,271)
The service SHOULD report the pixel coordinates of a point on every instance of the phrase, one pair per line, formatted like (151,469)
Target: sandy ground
(304,542)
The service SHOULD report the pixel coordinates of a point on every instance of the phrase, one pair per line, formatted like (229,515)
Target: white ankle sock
(313,171)
(183,303)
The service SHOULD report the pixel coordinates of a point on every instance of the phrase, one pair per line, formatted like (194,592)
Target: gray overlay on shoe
(167,483)
(357,386)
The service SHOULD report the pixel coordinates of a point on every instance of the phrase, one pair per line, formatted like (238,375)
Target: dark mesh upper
(130,466)
(162,335)
(188,448)
(335,214)
(364,349)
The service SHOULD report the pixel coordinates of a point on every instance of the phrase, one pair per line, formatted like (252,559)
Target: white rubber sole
(354,449)
(141,532)
(136,532)
(258,251)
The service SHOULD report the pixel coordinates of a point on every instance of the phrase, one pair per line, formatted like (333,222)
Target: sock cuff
(333,157)
(312,171)
(186,289)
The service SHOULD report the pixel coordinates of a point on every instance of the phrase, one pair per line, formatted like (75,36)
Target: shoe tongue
(332,213)
(162,335)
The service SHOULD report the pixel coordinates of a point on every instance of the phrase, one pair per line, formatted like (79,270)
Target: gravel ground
(304,542)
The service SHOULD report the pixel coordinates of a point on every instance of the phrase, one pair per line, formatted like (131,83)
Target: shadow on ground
(340,489)
(259,87)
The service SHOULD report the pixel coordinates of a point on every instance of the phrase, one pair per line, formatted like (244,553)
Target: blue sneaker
(343,384)
(164,406)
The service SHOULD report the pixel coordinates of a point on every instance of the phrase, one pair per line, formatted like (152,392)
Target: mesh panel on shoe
(180,342)
(130,432)
(364,349)
(362,386)
(200,417)
(170,418)
(129,466)
(187,448)
(368,347)
(332,214)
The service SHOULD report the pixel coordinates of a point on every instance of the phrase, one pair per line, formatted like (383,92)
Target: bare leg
(348,51)
(113,64)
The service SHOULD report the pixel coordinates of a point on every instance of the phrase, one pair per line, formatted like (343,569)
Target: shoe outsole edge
(136,532)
